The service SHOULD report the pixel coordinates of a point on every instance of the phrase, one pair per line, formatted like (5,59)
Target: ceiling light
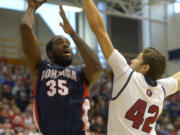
(72,8)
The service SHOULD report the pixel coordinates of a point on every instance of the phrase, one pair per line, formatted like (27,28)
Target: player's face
(137,63)
(62,51)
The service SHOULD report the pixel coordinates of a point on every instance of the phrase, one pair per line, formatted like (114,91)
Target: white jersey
(136,100)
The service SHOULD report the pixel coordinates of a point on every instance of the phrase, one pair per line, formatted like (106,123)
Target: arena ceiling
(123,8)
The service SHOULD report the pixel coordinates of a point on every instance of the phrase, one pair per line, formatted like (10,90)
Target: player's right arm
(30,43)
(98,27)
(117,62)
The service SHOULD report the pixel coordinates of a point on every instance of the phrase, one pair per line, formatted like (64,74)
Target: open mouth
(67,53)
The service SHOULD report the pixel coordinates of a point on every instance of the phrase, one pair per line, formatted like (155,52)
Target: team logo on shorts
(149,92)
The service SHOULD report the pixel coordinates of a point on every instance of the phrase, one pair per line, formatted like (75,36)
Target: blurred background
(131,24)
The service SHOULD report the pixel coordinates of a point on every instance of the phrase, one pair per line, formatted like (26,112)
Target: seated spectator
(22,97)
(18,124)
(8,80)
(7,92)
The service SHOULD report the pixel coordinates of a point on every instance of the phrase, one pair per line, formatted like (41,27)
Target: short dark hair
(157,62)
(49,45)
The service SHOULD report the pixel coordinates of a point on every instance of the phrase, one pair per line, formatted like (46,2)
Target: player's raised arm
(30,43)
(97,25)
(177,77)
(117,61)
(93,66)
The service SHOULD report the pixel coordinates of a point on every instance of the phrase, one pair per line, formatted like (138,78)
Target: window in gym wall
(177,6)
(49,13)
(102,6)
(13,4)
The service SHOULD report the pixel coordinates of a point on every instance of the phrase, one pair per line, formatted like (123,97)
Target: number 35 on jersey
(57,87)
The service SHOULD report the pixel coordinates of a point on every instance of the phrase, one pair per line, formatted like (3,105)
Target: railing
(11,50)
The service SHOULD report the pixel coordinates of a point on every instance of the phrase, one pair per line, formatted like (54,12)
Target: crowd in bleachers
(169,121)
(16,109)
(15,100)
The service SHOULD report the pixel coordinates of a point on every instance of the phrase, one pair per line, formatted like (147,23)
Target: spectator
(7,92)
(22,97)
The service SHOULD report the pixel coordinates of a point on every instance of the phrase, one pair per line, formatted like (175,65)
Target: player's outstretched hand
(35,3)
(65,25)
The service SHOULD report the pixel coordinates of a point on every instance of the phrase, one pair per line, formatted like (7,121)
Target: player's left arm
(177,77)
(171,84)
(93,66)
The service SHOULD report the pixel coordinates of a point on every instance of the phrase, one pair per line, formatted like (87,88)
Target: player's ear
(145,68)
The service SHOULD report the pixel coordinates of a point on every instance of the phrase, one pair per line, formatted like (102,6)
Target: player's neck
(59,64)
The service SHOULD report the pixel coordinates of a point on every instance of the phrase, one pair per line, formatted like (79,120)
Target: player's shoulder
(114,55)
(78,68)
(136,75)
(44,64)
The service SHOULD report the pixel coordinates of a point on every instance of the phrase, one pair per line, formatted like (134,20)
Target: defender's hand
(65,25)
(35,3)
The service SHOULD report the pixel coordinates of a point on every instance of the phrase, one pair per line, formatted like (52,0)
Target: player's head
(150,62)
(59,51)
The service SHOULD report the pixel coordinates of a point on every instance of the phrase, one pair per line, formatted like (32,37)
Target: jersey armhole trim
(125,85)
(164,91)
(128,69)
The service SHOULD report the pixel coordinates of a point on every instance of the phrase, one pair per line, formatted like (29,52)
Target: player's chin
(131,65)
(68,59)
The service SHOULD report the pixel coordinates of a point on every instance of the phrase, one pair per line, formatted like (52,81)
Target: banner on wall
(174,54)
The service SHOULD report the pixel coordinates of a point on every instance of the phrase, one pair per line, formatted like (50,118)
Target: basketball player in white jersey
(138,95)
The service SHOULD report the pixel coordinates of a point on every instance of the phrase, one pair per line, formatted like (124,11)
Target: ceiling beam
(123,8)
